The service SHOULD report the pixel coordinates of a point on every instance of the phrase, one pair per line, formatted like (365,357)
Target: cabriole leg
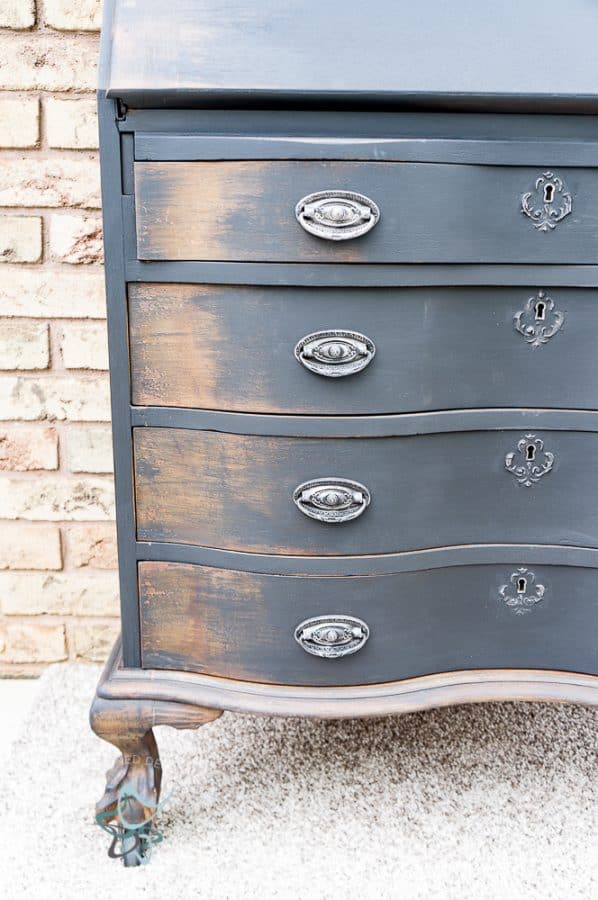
(130,802)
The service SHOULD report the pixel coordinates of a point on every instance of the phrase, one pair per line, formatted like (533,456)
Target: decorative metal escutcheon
(332,636)
(523,592)
(538,321)
(335,354)
(332,500)
(337,215)
(530,461)
(548,203)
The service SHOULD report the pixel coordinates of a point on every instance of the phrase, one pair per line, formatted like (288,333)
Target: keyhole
(540,311)
(521,585)
(530,452)
(548,193)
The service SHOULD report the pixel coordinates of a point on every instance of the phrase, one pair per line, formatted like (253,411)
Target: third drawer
(320,496)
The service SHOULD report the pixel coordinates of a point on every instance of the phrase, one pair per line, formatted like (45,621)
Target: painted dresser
(352,279)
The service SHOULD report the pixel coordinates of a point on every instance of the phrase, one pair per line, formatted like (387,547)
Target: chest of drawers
(353,315)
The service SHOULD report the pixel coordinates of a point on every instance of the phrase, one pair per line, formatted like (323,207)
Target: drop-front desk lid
(511,55)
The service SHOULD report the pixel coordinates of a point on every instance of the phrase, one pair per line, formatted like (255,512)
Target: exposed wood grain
(240,625)
(231,348)
(234,491)
(137,772)
(390,698)
(245,211)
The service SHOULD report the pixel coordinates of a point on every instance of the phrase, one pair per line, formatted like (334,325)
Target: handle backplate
(332,500)
(337,215)
(332,636)
(335,353)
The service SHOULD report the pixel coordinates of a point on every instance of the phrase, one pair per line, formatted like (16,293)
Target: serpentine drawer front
(345,351)
(372,495)
(404,212)
(243,625)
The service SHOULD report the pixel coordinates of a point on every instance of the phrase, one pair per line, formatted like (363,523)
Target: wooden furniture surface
(514,56)
(231,347)
(352,283)
(235,491)
(429,213)
(240,624)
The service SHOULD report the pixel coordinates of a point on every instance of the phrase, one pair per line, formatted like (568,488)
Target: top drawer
(428,212)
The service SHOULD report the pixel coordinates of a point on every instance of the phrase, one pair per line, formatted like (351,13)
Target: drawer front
(242,625)
(234,348)
(257,493)
(427,212)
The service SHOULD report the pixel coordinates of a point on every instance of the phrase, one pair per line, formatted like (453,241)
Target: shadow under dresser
(353,316)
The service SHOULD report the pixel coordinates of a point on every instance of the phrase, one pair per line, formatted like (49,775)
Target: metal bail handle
(332,636)
(335,353)
(337,215)
(332,500)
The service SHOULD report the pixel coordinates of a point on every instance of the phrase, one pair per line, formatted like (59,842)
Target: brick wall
(58,585)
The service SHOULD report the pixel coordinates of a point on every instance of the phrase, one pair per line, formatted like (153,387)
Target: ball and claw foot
(131,800)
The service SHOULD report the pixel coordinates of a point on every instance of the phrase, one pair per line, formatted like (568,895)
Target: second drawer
(338,497)
(235,348)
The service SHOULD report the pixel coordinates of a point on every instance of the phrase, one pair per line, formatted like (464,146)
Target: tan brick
(20,239)
(72,123)
(17,13)
(84,345)
(93,641)
(24,545)
(26,448)
(75,397)
(47,293)
(19,121)
(29,642)
(74,15)
(89,448)
(57,499)
(72,594)
(24,345)
(48,62)
(76,239)
(38,180)
(92,545)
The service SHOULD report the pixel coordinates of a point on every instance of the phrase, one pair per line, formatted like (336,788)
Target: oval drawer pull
(337,215)
(332,636)
(332,500)
(335,354)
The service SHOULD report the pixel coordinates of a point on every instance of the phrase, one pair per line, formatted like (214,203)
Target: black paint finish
(430,213)
(235,492)
(436,348)
(421,622)
(519,75)
(529,56)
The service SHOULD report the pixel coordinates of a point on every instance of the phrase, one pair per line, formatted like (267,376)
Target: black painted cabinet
(353,323)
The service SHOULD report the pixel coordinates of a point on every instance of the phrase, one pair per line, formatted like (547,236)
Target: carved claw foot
(128,808)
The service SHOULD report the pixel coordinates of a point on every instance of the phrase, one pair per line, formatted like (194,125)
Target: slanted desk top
(508,56)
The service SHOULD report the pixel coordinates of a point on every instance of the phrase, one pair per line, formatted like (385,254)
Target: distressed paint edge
(375,565)
(400,425)
(390,698)
(120,389)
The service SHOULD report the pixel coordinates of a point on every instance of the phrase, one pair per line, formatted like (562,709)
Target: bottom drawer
(243,625)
